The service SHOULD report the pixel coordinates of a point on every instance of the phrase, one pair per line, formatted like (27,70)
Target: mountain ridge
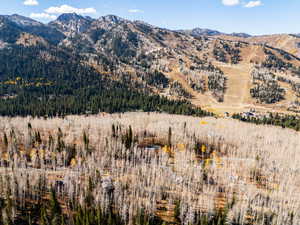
(198,32)
(206,70)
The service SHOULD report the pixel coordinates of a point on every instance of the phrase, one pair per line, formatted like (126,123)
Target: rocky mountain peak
(67,17)
(71,23)
(112,19)
(142,23)
(200,31)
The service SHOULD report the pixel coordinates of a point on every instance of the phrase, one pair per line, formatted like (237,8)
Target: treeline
(285,121)
(85,102)
(56,83)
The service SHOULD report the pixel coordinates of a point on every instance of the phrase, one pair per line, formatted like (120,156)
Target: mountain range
(198,32)
(215,71)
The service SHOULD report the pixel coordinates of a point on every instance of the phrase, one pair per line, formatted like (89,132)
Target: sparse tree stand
(111,186)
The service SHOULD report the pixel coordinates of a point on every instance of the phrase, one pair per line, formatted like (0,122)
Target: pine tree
(113,128)
(5,140)
(60,142)
(8,210)
(55,209)
(170,137)
(86,142)
(38,137)
(177,210)
(128,138)
(2,206)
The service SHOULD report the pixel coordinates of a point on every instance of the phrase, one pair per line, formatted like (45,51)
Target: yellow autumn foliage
(48,84)
(167,149)
(53,155)
(181,147)
(22,153)
(73,162)
(294,51)
(11,82)
(218,160)
(203,148)
(33,154)
(203,122)
(213,154)
(207,162)
(42,153)
(5,156)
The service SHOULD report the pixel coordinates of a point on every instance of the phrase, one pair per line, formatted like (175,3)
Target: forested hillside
(78,64)
(39,81)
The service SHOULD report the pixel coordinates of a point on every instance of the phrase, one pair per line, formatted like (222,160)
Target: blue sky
(250,16)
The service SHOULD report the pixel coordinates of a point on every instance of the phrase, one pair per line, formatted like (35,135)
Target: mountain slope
(286,42)
(12,26)
(221,73)
(41,80)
